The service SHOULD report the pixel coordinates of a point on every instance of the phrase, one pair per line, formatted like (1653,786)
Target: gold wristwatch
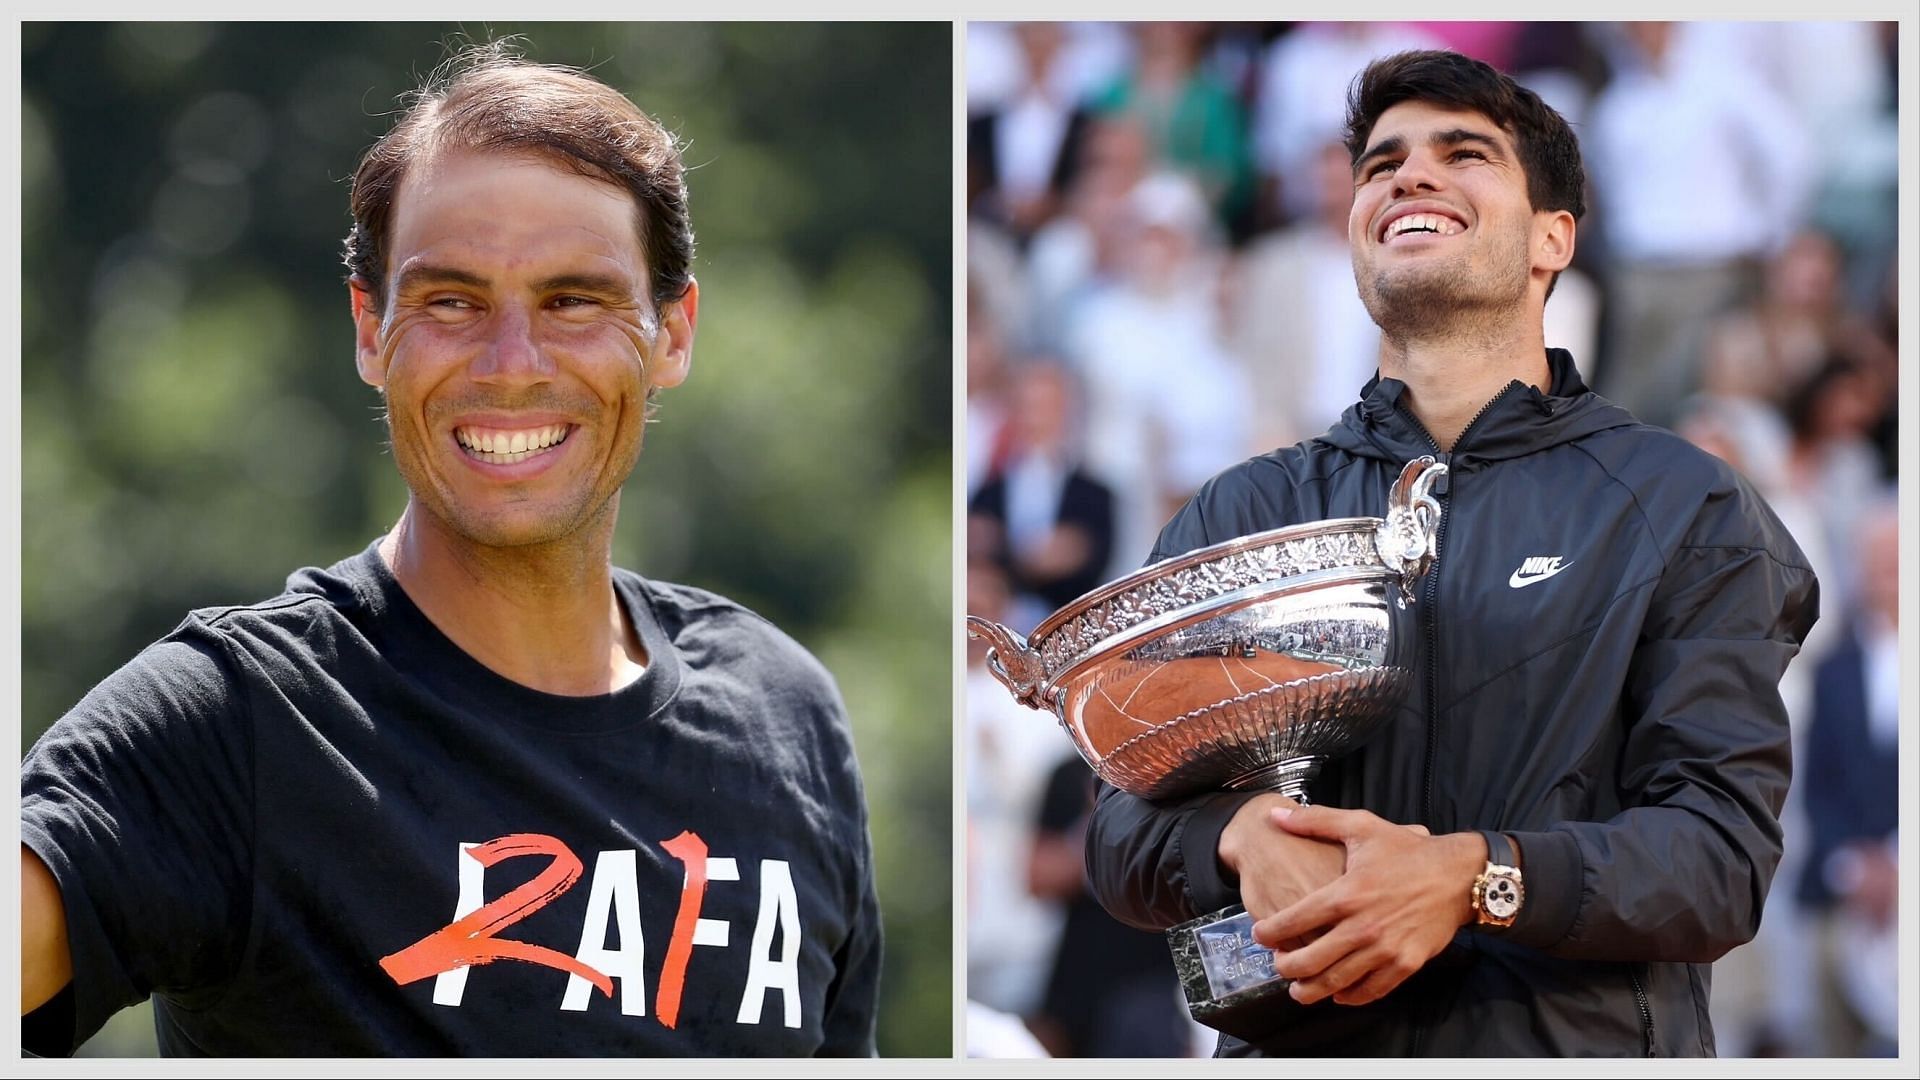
(1499,891)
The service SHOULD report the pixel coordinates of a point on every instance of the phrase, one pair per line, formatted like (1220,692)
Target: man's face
(517,346)
(1441,221)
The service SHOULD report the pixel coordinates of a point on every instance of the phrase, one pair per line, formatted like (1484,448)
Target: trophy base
(1228,978)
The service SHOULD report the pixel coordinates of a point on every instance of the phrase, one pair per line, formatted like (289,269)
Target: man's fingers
(1314,958)
(1313,912)
(1321,822)
(1378,984)
(1331,979)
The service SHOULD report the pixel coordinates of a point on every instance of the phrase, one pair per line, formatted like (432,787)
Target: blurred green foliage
(195,431)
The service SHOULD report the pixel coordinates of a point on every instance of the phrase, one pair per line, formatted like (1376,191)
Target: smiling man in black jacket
(1576,810)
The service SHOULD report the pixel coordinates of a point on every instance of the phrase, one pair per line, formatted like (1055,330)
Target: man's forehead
(1417,121)
(512,209)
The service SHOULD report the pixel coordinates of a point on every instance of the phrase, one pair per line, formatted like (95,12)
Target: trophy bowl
(1242,665)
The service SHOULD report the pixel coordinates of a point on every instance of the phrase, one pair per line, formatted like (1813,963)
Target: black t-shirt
(264,821)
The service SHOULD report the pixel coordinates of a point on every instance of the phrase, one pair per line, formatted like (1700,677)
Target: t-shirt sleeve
(850,1026)
(139,801)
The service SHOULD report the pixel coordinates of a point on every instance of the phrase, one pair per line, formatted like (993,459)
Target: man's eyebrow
(415,277)
(1456,136)
(1394,144)
(606,284)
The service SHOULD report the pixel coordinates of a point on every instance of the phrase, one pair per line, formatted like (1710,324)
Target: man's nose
(1417,172)
(513,354)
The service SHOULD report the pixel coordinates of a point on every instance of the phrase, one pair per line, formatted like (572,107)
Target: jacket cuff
(1555,878)
(1210,886)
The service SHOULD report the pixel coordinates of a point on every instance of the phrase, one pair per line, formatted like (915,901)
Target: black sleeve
(139,801)
(849,1027)
(1681,874)
(1152,865)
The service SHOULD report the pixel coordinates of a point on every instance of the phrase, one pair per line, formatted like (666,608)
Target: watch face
(1502,897)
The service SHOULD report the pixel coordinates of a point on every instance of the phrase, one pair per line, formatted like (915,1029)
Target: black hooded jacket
(1616,711)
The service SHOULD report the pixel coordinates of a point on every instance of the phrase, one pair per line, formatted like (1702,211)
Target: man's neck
(1451,377)
(544,616)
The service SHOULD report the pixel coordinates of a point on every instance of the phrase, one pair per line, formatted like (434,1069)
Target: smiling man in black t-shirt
(473,790)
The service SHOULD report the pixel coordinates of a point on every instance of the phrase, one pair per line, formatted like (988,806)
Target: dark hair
(488,98)
(1549,151)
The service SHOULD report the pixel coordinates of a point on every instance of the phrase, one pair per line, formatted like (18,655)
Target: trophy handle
(1406,540)
(1011,661)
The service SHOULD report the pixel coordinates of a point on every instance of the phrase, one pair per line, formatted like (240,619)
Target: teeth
(1445,226)
(508,447)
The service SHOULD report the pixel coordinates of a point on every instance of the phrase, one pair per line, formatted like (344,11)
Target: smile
(506,446)
(1420,225)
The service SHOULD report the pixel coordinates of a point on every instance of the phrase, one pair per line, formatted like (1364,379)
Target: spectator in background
(1080,251)
(1700,171)
(1302,104)
(1113,991)
(1011,753)
(1194,120)
(1295,319)
(1167,404)
(1093,55)
(1852,778)
(1831,463)
(1021,154)
(1779,341)
(1047,522)
(988,434)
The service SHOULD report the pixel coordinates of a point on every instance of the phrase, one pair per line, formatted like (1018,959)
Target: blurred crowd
(1159,286)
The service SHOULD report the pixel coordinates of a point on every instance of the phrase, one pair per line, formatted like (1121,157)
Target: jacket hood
(1519,420)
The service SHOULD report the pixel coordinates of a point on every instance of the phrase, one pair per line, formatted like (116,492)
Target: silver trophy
(1245,665)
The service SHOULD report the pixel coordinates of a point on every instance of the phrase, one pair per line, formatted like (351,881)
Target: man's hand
(1403,895)
(1275,867)
(45,964)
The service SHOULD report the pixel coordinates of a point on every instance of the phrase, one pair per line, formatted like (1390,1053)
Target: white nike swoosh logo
(1521,581)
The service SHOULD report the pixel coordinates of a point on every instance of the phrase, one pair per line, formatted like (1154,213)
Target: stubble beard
(1440,302)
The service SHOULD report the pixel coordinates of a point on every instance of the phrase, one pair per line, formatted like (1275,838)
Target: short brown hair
(1549,151)
(488,98)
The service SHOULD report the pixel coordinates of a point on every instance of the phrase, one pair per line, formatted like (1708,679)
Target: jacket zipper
(1646,1010)
(1433,626)
(1433,594)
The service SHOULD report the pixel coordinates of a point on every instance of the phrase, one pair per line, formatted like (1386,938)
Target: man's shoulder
(1641,454)
(298,616)
(716,634)
(1689,494)
(1267,491)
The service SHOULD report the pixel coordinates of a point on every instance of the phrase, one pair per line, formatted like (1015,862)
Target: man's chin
(506,531)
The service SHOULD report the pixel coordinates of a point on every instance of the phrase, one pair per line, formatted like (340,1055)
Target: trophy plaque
(1241,666)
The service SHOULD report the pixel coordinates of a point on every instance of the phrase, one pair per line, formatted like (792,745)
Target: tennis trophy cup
(1242,666)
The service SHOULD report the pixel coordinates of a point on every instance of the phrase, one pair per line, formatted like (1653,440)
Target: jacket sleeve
(1152,865)
(1682,871)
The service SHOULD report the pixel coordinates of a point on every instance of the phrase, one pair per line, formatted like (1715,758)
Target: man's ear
(1553,234)
(673,342)
(366,334)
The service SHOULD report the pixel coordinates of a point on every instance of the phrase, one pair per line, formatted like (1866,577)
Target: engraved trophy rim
(1366,566)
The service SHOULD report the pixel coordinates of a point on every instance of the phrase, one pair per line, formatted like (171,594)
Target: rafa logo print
(472,938)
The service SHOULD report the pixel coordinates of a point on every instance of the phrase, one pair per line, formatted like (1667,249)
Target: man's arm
(1152,865)
(1680,874)
(136,822)
(45,964)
